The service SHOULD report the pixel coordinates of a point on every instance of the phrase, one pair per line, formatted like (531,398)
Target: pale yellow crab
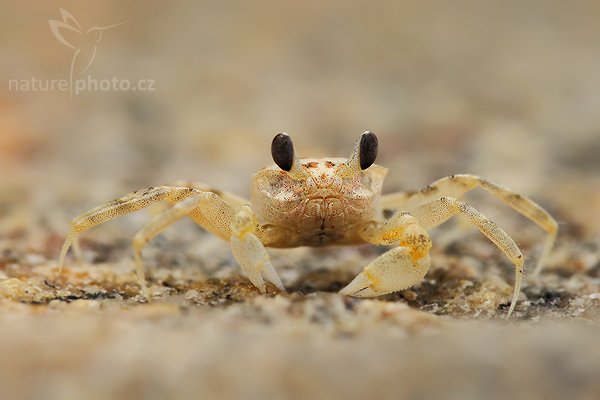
(327,201)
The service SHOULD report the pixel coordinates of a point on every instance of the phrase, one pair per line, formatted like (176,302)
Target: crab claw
(254,261)
(359,287)
(258,276)
(268,273)
(390,272)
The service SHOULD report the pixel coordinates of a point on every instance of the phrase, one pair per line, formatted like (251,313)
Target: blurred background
(508,90)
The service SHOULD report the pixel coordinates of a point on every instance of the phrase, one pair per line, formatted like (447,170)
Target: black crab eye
(282,151)
(367,149)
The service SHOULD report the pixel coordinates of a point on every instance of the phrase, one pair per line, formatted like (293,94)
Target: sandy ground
(509,91)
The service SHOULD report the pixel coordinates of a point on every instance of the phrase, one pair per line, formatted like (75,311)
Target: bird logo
(69,32)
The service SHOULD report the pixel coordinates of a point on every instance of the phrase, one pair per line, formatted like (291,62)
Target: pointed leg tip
(359,287)
(271,276)
(60,268)
(346,291)
(145,294)
(279,287)
(260,285)
(509,313)
(364,293)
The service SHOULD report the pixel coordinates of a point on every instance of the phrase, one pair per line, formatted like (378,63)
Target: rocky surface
(505,90)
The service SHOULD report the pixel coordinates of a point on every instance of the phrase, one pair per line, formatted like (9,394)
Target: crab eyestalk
(363,155)
(282,150)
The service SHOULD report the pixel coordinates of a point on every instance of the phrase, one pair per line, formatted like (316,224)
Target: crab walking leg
(392,271)
(398,268)
(129,203)
(439,211)
(249,251)
(236,202)
(158,224)
(215,215)
(457,185)
(77,250)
